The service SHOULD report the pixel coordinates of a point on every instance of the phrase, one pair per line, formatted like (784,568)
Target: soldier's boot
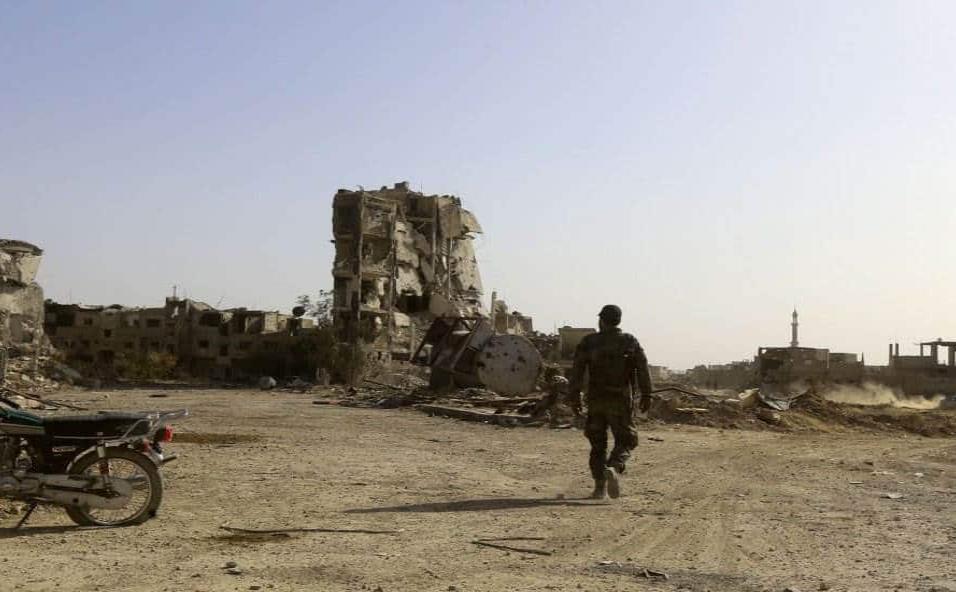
(600,490)
(613,480)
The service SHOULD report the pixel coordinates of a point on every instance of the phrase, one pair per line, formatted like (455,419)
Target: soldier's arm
(642,375)
(577,371)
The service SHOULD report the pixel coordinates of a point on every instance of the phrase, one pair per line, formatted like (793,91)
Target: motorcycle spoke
(121,469)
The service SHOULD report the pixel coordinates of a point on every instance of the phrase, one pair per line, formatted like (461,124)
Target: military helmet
(611,313)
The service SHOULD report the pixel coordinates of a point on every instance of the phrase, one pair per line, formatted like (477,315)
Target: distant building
(923,374)
(733,376)
(795,363)
(504,322)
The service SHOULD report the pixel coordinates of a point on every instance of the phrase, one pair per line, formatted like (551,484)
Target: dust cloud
(878,394)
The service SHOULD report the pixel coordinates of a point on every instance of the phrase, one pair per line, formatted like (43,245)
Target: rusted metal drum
(508,365)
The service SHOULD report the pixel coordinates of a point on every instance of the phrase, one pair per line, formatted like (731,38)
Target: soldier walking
(616,365)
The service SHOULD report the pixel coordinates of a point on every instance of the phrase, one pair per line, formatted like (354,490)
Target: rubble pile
(547,407)
(20,375)
(770,409)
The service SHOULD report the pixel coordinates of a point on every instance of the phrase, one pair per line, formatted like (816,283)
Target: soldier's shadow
(483,505)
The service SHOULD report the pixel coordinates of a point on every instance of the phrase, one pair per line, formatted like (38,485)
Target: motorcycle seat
(106,424)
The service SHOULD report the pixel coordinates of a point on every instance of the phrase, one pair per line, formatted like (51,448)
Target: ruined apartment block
(206,342)
(401,258)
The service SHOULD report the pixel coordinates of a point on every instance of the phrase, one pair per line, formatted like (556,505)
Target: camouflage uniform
(615,363)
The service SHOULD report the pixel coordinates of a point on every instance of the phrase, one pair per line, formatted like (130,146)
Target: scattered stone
(234,571)
(230,564)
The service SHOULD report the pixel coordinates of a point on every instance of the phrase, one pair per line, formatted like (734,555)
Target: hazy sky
(706,165)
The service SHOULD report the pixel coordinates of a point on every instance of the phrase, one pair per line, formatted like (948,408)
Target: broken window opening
(210,319)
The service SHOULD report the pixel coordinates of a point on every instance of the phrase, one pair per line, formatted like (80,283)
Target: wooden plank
(506,419)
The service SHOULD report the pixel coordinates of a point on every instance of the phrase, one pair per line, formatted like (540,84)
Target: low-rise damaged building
(733,376)
(923,374)
(21,298)
(401,258)
(203,341)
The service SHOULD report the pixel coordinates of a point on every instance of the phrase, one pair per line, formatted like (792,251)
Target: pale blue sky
(706,165)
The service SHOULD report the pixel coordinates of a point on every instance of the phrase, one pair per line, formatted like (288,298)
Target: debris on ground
(500,544)
(43,375)
(769,408)
(236,529)
(628,569)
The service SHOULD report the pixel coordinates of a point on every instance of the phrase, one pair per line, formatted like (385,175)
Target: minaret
(793,330)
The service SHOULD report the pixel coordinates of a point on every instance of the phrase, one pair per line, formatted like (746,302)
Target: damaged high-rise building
(401,258)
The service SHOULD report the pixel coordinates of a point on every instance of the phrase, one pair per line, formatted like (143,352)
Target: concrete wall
(569,338)
(21,299)
(20,308)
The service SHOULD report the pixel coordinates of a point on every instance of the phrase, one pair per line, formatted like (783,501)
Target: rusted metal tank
(464,351)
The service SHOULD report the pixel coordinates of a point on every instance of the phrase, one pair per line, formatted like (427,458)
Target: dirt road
(715,510)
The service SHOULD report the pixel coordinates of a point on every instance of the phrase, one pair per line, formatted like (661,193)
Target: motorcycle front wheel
(124,464)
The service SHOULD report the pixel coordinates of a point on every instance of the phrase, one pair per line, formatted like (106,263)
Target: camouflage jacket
(615,363)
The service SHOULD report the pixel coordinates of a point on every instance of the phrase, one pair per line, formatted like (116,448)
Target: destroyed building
(21,298)
(203,341)
(401,259)
(923,374)
(504,322)
(732,376)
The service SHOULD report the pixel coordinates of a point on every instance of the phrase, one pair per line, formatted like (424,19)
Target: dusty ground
(716,510)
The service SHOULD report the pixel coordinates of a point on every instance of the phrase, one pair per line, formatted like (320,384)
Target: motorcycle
(103,469)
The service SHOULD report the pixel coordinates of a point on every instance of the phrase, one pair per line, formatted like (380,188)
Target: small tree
(319,309)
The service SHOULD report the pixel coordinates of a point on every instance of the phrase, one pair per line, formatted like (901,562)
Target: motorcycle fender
(150,454)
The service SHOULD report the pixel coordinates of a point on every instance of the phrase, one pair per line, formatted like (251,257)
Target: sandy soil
(716,510)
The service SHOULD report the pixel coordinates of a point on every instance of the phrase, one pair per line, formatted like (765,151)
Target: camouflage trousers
(617,414)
